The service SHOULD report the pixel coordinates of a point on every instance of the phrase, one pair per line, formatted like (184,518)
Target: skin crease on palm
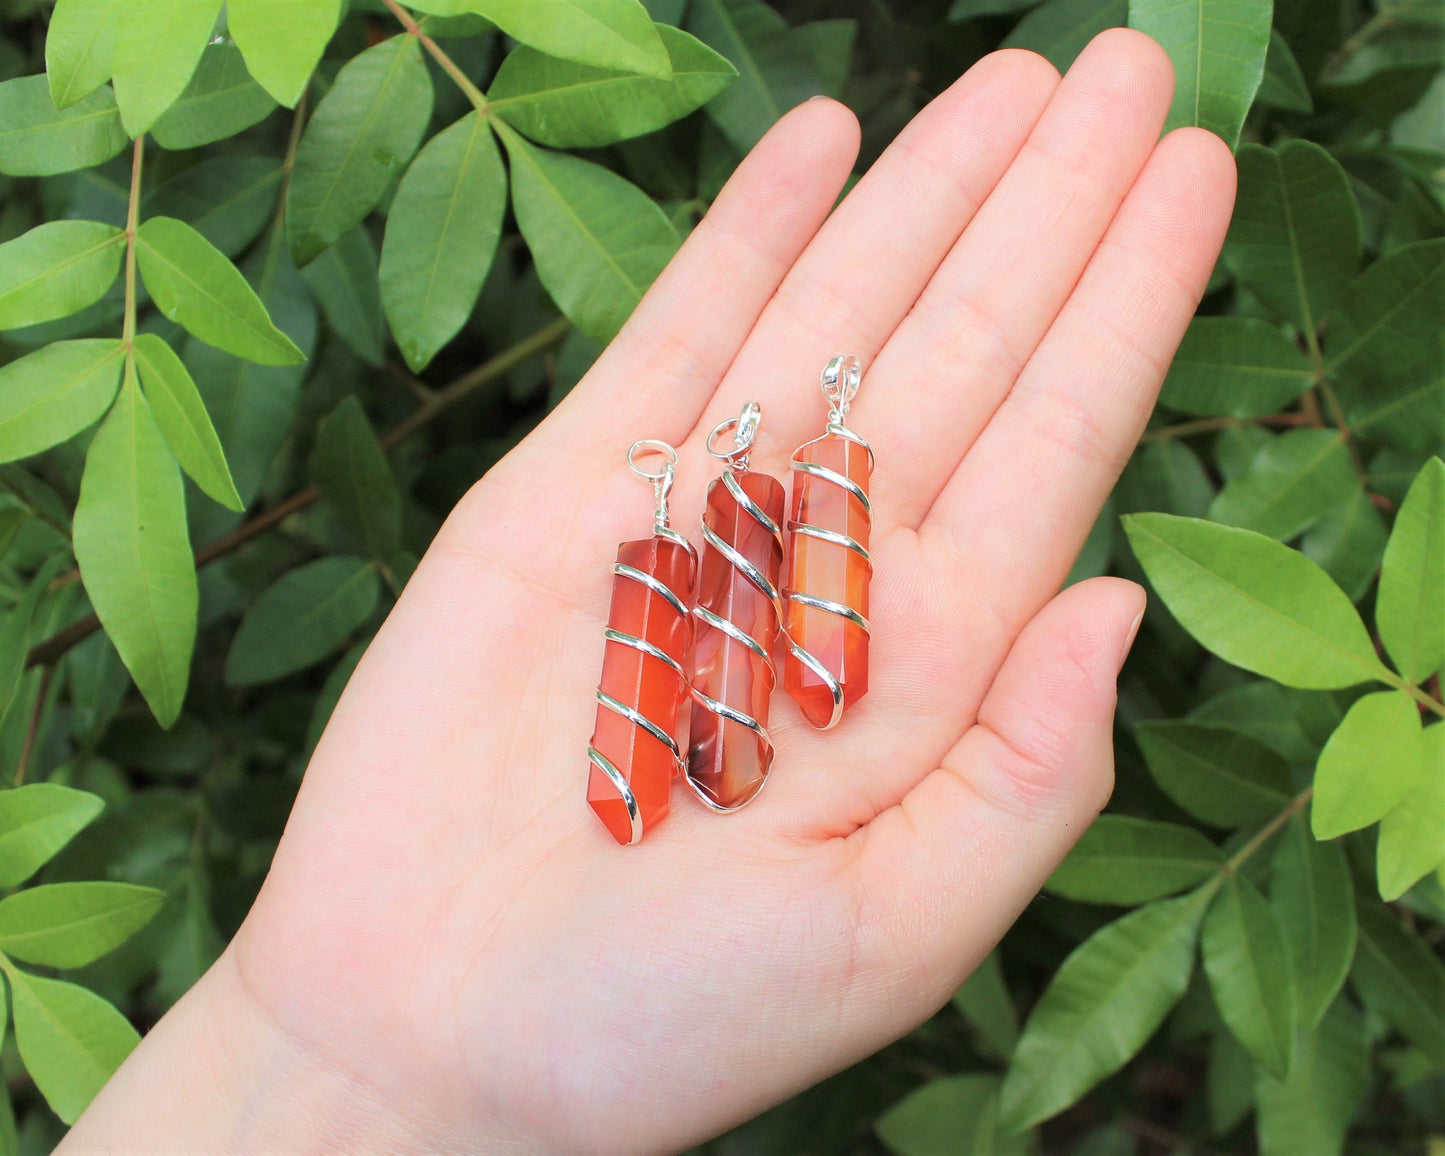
(450,953)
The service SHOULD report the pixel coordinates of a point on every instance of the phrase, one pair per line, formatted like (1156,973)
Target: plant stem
(132,224)
(1415,692)
(293,142)
(1209,424)
(48,651)
(1337,415)
(448,65)
(1262,836)
(34,728)
(1372,27)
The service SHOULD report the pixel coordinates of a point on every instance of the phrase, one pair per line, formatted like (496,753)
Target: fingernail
(821,96)
(1129,638)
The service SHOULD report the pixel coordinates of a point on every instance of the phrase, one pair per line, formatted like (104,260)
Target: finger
(868,263)
(954,358)
(654,378)
(1018,508)
(942,875)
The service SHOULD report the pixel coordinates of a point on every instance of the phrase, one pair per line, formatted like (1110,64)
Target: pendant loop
(661,479)
(744,429)
(839,381)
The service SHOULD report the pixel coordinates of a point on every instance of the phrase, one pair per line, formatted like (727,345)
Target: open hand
(450,952)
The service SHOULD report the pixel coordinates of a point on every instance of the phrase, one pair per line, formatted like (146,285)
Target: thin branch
(34,728)
(1209,424)
(415,386)
(48,651)
(448,65)
(1262,836)
(132,224)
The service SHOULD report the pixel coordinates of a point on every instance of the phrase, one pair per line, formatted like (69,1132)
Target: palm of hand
(447,922)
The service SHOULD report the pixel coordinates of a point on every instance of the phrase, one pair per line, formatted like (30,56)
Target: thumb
(946,872)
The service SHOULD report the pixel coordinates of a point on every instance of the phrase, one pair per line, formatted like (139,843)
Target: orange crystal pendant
(634,752)
(828,573)
(736,623)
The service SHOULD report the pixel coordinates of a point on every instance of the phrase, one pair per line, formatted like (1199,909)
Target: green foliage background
(239,333)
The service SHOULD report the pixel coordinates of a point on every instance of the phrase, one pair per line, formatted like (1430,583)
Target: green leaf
(1229,1084)
(441,235)
(36,821)
(1165,475)
(1254,602)
(15,629)
(1126,861)
(969,9)
(1259,708)
(12,518)
(1309,1112)
(344,280)
(194,942)
(220,100)
(282,40)
(72,924)
(182,417)
(79,44)
(54,393)
(70,1039)
(1347,542)
(1058,29)
(776,66)
(1294,241)
(157,48)
(598,241)
(362,134)
(1401,979)
(1249,973)
(1293,480)
(1408,416)
(1283,85)
(1217,774)
(1235,367)
(39,140)
(1102,1004)
(569,105)
(1388,333)
(1411,843)
(228,200)
(356,479)
(252,406)
(134,551)
(301,619)
(330,693)
(1218,49)
(1371,762)
(984,1001)
(195,285)
(948,1116)
(605,33)
(57,269)
(1410,607)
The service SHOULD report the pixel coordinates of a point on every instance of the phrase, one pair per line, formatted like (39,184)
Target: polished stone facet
(643,682)
(727,760)
(832,571)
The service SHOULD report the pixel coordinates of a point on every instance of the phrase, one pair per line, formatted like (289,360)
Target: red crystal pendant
(729,751)
(828,573)
(634,752)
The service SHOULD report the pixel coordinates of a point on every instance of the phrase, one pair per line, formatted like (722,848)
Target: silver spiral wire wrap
(744,430)
(839,382)
(661,487)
